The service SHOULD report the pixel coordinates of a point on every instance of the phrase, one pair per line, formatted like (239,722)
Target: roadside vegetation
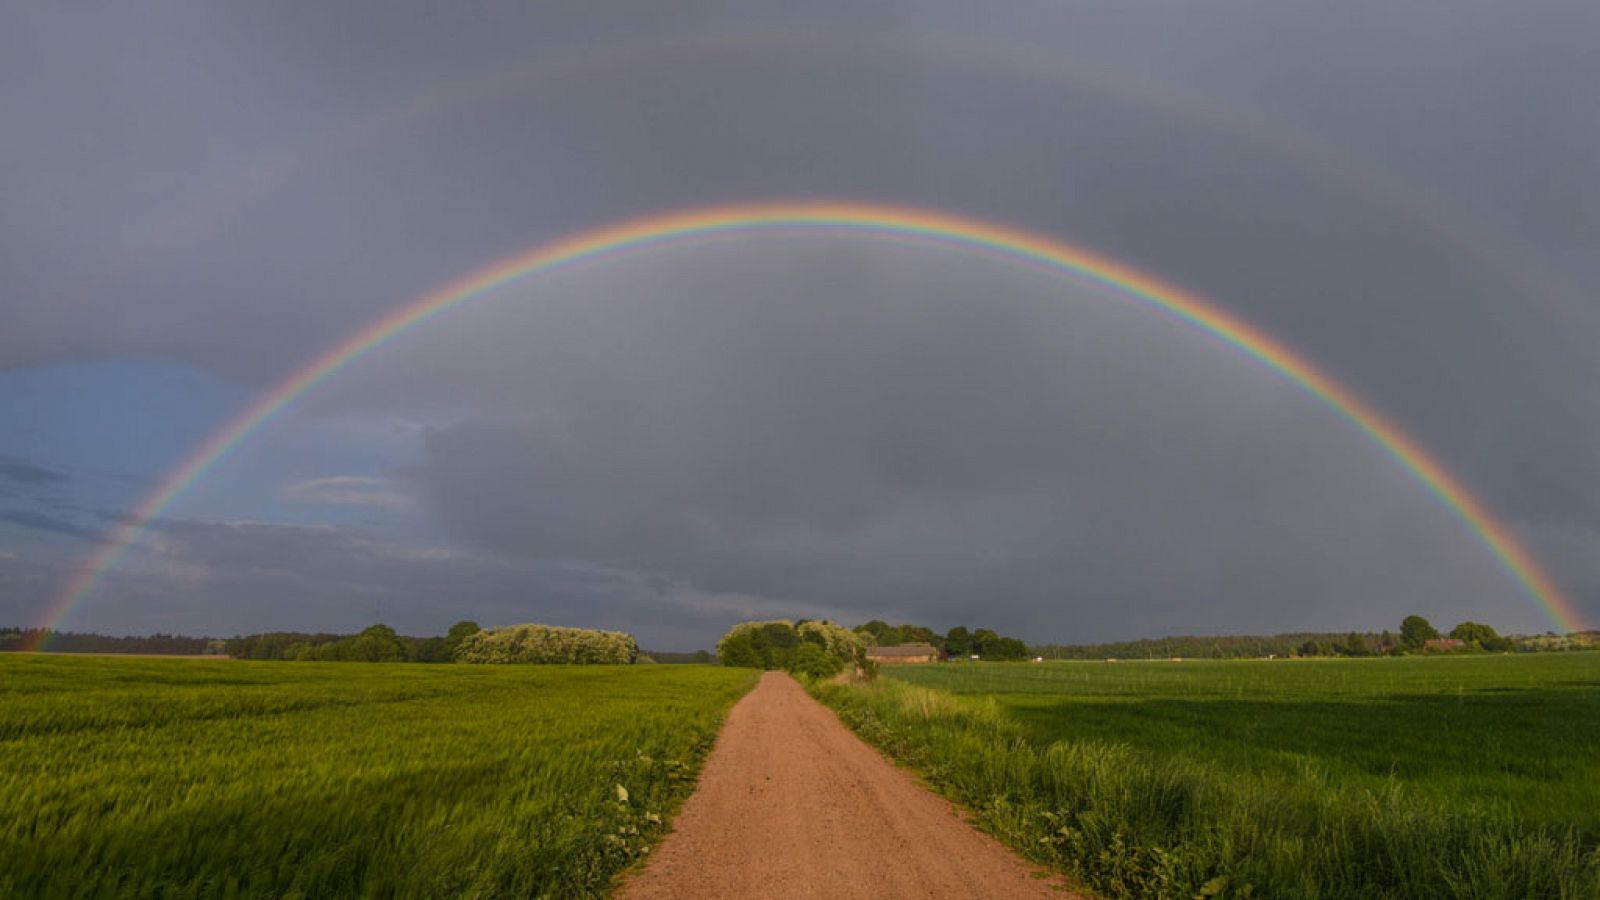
(188,778)
(1441,776)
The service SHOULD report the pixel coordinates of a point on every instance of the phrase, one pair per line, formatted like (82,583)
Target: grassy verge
(1139,822)
(176,779)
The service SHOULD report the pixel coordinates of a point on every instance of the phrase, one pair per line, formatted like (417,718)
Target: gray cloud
(848,424)
(349,490)
(39,521)
(903,432)
(21,471)
(227,578)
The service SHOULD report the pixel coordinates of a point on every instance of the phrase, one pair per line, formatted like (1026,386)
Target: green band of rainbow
(847,218)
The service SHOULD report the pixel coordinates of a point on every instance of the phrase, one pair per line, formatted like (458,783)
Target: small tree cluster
(548,644)
(1416,632)
(817,649)
(958,642)
(1482,637)
(883,634)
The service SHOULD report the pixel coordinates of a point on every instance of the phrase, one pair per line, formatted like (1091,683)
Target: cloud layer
(1406,195)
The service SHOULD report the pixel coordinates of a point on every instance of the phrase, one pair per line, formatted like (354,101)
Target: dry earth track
(792,804)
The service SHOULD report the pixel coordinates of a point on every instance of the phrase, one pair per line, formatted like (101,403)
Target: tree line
(79,642)
(378,643)
(1416,635)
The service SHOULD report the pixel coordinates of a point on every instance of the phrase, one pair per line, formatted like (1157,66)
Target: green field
(187,778)
(1424,777)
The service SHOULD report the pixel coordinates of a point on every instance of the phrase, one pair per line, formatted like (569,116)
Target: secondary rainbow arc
(858,218)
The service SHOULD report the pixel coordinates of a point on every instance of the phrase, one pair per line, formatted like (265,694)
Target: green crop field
(188,778)
(1422,777)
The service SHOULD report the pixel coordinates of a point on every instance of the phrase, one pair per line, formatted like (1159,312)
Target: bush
(548,644)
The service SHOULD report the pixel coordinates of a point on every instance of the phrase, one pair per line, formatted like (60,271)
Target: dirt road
(792,804)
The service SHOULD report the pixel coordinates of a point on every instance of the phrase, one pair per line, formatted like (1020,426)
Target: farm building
(1436,644)
(905,653)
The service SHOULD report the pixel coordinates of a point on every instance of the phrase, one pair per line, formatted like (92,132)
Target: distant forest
(75,642)
(1209,646)
(1472,636)
(382,643)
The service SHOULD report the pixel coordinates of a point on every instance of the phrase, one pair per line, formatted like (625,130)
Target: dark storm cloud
(763,429)
(226,578)
(21,471)
(919,435)
(39,521)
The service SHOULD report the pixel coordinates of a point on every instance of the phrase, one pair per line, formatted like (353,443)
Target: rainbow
(845,218)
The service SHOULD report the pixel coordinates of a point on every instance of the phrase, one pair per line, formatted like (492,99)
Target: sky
(197,200)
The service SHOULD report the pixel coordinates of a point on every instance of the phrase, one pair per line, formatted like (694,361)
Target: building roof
(904,650)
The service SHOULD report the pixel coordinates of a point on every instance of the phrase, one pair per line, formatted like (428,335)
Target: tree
(433,650)
(814,662)
(1008,648)
(781,644)
(1416,631)
(984,641)
(739,651)
(776,642)
(1355,645)
(1480,635)
(883,634)
(958,642)
(534,643)
(378,643)
(460,631)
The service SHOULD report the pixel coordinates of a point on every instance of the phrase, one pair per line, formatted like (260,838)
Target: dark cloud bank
(847,427)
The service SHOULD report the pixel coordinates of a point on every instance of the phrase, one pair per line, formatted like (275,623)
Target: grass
(1472,776)
(185,778)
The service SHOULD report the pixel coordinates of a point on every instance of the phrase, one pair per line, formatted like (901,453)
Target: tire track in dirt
(791,804)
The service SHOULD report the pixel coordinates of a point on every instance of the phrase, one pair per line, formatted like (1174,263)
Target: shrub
(548,644)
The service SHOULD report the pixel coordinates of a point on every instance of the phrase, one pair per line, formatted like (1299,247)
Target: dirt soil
(792,804)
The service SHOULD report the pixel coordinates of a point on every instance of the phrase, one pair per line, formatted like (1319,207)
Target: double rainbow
(845,218)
